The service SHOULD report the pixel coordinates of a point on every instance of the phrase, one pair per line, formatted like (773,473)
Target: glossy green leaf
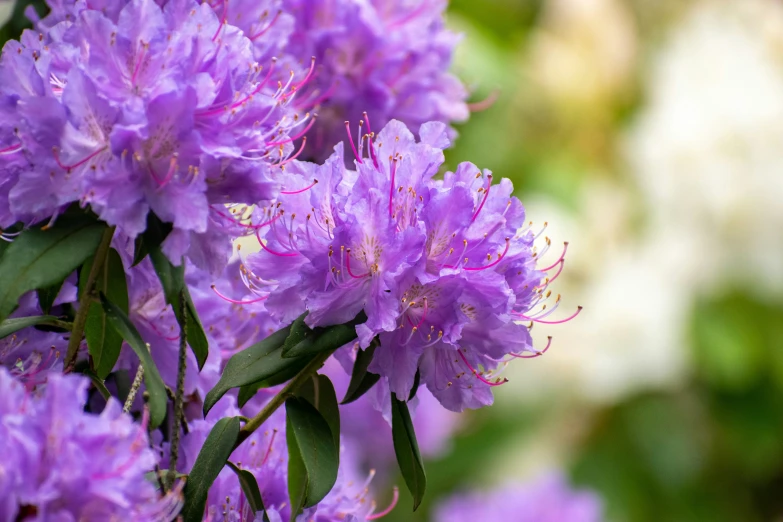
(155,387)
(407,450)
(13,325)
(319,392)
(293,367)
(172,278)
(40,258)
(103,341)
(313,455)
(299,332)
(152,237)
(322,339)
(252,365)
(98,383)
(361,379)
(210,461)
(250,488)
(416,383)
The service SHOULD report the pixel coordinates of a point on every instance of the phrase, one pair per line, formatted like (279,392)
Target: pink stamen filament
(372,149)
(292,158)
(391,188)
(78,163)
(424,315)
(388,510)
(169,174)
(484,200)
(288,140)
(486,103)
(222,19)
(11,150)
(281,254)
(267,28)
(479,377)
(350,139)
(527,318)
(562,256)
(288,193)
(534,355)
(495,262)
(269,448)
(136,69)
(221,110)
(307,77)
(234,301)
(348,267)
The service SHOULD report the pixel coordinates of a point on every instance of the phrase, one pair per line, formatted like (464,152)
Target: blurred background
(648,134)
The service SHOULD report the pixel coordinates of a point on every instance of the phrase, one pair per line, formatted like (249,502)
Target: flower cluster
(445,270)
(389,58)
(61,463)
(138,109)
(550,499)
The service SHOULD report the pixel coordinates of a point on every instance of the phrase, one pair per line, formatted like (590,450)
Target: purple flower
(550,499)
(445,270)
(61,463)
(388,58)
(264,454)
(31,354)
(140,109)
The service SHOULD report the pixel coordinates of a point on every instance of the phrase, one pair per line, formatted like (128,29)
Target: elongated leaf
(313,455)
(103,341)
(416,383)
(98,383)
(155,387)
(319,392)
(250,488)
(210,461)
(322,339)
(299,332)
(39,258)
(154,235)
(253,364)
(172,278)
(15,324)
(361,379)
(293,367)
(407,450)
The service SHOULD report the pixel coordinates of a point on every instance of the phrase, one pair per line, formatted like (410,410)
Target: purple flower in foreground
(387,57)
(264,454)
(445,271)
(143,109)
(548,500)
(60,463)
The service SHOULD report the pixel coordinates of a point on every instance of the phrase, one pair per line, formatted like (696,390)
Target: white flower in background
(6,10)
(708,147)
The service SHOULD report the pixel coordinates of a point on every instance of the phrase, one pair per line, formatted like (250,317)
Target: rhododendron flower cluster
(445,270)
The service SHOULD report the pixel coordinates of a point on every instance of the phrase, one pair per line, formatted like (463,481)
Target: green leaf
(46,296)
(172,278)
(294,366)
(98,383)
(361,379)
(319,392)
(103,341)
(415,387)
(250,488)
(40,258)
(407,450)
(299,332)
(155,387)
(152,237)
(210,461)
(313,455)
(15,324)
(322,339)
(253,364)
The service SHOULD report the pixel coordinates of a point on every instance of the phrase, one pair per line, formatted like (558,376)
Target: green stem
(179,397)
(278,400)
(101,254)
